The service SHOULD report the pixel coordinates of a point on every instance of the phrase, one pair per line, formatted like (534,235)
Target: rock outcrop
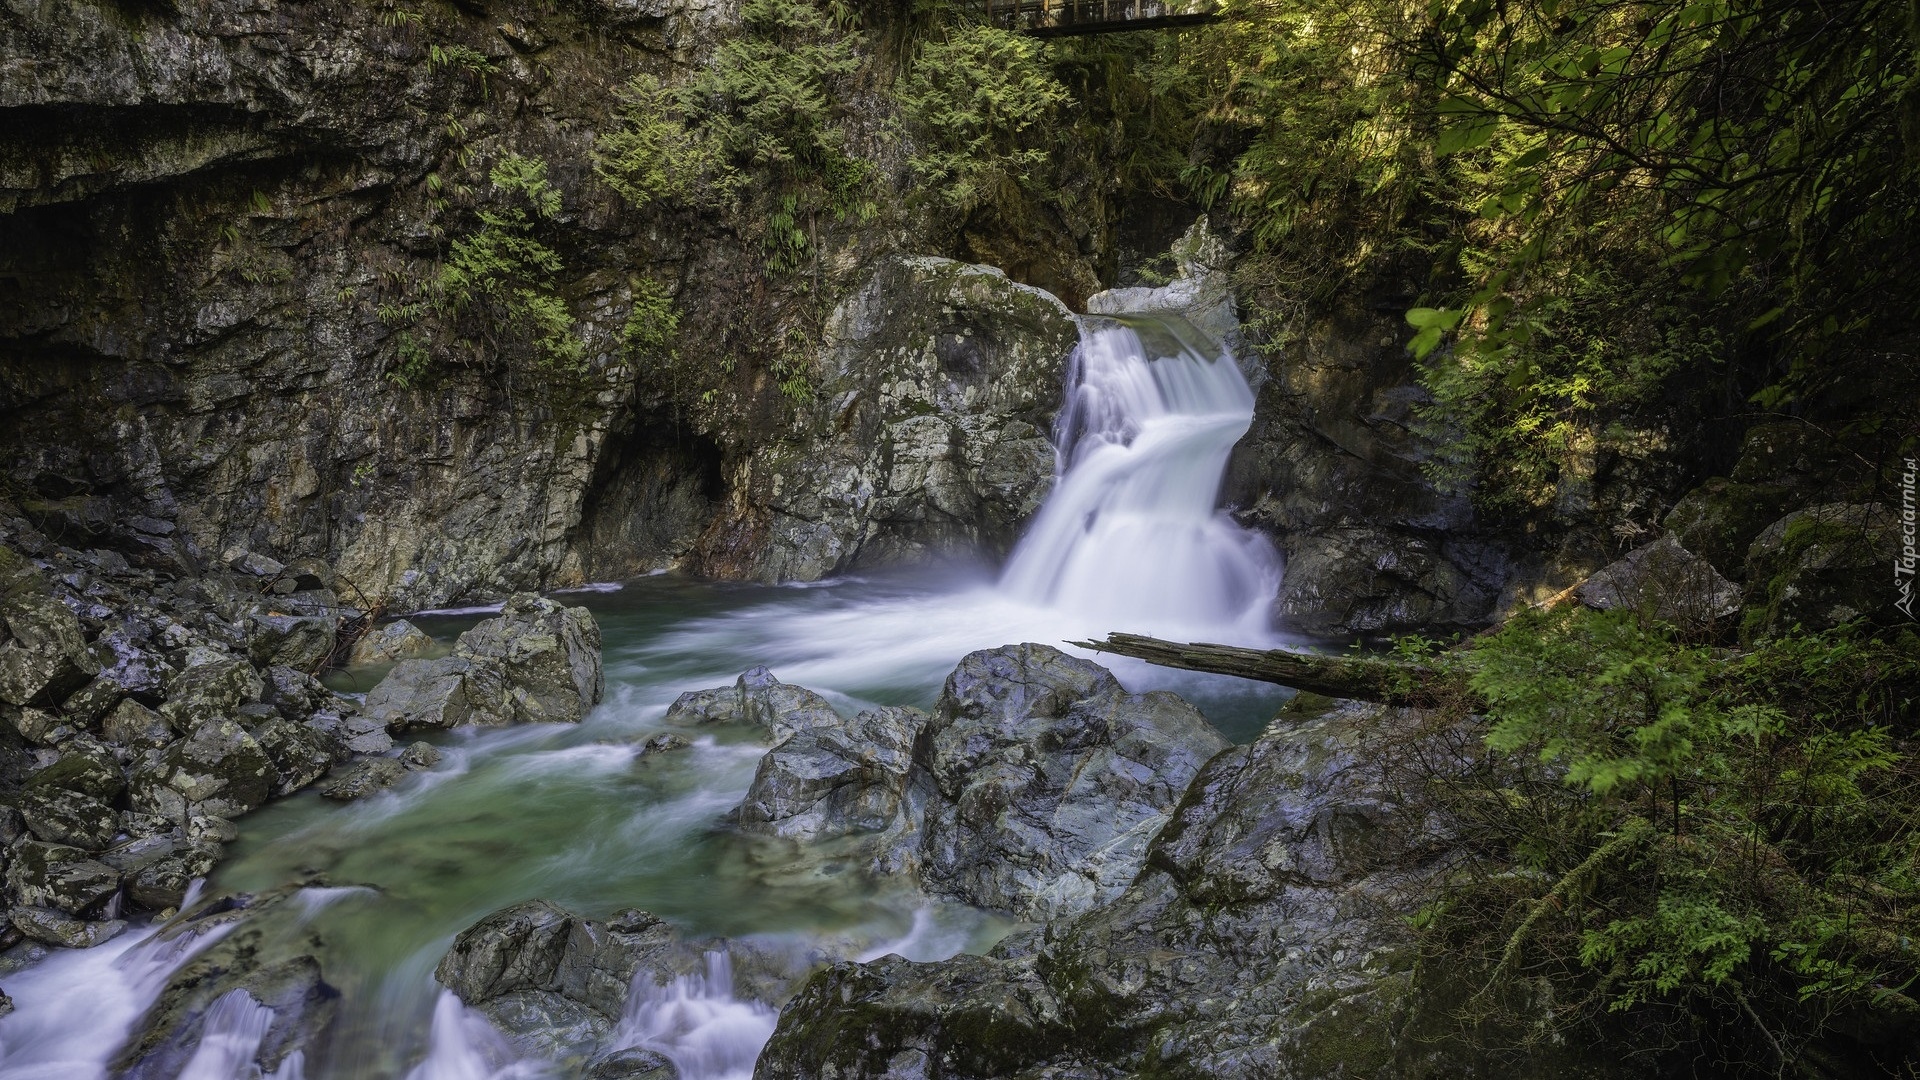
(1263,938)
(538,662)
(222,216)
(929,433)
(1032,788)
(142,710)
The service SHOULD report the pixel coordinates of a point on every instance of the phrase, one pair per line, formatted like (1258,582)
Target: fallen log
(1362,678)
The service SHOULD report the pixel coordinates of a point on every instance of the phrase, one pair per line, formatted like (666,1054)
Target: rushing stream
(1129,540)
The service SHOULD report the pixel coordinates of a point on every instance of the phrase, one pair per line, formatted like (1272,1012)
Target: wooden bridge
(1060,18)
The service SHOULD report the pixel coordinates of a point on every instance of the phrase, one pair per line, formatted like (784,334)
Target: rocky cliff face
(216,218)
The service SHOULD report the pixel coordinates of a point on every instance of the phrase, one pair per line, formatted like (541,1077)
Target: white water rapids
(1130,538)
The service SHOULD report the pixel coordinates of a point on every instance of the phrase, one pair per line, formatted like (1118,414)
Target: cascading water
(695,1022)
(1131,531)
(1130,539)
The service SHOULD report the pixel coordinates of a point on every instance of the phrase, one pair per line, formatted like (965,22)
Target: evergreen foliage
(980,102)
(1724,846)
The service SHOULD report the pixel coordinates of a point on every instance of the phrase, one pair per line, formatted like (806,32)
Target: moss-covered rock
(1820,567)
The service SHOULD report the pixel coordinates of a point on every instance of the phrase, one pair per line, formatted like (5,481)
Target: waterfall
(74,1010)
(230,1039)
(1132,533)
(696,1023)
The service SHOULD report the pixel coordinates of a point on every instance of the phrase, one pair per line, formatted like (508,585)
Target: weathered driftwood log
(1363,678)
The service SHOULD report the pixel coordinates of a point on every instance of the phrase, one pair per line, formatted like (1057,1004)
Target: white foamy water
(695,1022)
(1130,539)
(236,1024)
(463,1046)
(1131,532)
(74,1010)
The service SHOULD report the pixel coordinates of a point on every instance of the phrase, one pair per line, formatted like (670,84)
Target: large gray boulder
(1265,936)
(834,780)
(1048,780)
(1033,788)
(1667,582)
(538,662)
(220,770)
(43,650)
(63,878)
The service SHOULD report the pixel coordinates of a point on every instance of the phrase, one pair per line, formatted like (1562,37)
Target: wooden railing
(1062,17)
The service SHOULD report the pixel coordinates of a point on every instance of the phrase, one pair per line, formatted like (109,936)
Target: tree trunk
(1361,678)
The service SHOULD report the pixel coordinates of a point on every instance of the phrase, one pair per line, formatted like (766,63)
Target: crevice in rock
(654,489)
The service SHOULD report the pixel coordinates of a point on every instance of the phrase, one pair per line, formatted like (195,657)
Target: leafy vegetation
(761,123)
(979,101)
(1723,847)
(502,274)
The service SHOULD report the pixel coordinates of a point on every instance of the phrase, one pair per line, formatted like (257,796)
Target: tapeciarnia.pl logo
(1904,563)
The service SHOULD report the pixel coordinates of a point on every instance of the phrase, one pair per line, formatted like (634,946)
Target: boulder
(756,698)
(219,770)
(1045,780)
(390,643)
(421,755)
(363,778)
(832,780)
(63,878)
(214,690)
(69,817)
(1720,519)
(85,706)
(43,650)
(136,727)
(1265,936)
(127,662)
(51,927)
(1667,582)
(292,640)
(158,870)
(84,766)
(1822,566)
(1361,580)
(40,726)
(538,662)
(1033,788)
(424,694)
(300,753)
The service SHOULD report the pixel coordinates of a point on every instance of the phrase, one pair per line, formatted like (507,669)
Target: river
(1129,540)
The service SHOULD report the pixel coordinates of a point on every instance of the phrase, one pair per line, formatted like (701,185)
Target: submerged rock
(757,698)
(538,662)
(252,979)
